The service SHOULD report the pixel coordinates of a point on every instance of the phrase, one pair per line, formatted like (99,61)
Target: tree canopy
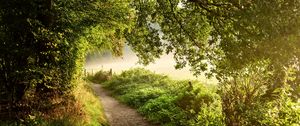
(225,35)
(43,45)
(251,46)
(221,38)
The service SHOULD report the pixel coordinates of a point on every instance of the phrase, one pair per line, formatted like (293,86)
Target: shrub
(201,107)
(101,76)
(140,97)
(247,99)
(166,101)
(163,110)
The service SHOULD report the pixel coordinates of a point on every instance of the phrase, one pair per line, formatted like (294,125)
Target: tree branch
(182,27)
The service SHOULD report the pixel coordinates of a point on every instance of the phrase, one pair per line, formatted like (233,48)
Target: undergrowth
(92,107)
(82,108)
(166,101)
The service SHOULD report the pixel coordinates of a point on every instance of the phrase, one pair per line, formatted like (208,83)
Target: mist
(164,65)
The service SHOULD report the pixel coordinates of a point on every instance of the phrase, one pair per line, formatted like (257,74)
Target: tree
(43,44)
(225,39)
(208,33)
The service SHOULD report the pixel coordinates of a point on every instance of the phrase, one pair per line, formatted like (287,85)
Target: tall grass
(92,107)
(87,109)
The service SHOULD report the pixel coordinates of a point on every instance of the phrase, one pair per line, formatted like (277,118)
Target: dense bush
(100,76)
(167,101)
(248,100)
(164,110)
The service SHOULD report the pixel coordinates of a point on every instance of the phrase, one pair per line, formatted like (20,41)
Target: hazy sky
(164,65)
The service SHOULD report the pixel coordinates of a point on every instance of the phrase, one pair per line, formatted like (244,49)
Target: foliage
(226,38)
(167,101)
(43,44)
(100,77)
(246,100)
(85,109)
(226,35)
(92,107)
(202,107)
(164,110)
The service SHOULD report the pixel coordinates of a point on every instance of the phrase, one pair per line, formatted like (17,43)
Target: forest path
(117,113)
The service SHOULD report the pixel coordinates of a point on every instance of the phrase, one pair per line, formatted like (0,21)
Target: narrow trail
(117,113)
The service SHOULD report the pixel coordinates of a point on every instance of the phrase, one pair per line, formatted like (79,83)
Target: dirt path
(117,113)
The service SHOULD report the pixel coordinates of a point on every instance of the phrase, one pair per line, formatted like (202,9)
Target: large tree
(43,44)
(223,35)
(251,46)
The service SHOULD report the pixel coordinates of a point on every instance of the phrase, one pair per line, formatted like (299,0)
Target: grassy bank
(166,101)
(92,107)
(82,108)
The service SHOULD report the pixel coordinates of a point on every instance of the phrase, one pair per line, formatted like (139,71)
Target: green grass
(92,107)
(166,101)
(88,109)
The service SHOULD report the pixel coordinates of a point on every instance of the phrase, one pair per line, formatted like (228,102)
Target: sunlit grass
(94,115)
(83,108)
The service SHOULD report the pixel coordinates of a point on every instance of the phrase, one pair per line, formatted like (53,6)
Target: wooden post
(110,72)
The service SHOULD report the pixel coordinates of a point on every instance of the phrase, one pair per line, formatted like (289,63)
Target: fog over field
(164,65)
